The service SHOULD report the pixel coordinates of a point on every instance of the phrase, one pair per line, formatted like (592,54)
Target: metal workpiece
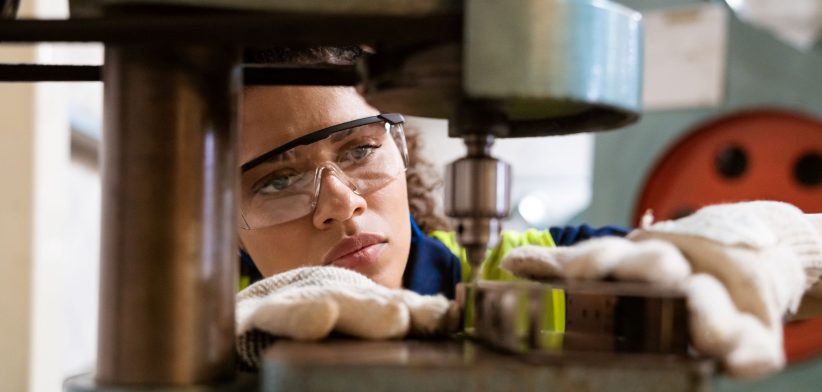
(478,197)
(169,184)
(584,317)
(576,62)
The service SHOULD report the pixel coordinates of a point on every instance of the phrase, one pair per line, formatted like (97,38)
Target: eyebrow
(280,157)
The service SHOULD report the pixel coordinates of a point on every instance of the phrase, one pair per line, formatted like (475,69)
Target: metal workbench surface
(347,365)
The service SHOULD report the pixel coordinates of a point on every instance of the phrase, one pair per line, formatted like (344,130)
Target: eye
(279,181)
(358,153)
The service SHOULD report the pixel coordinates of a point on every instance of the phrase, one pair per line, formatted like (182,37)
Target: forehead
(274,115)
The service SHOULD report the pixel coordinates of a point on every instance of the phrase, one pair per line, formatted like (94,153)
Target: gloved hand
(309,303)
(743,267)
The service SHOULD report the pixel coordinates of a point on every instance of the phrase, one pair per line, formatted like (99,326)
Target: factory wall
(48,251)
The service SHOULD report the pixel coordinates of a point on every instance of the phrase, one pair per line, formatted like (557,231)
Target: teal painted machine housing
(541,59)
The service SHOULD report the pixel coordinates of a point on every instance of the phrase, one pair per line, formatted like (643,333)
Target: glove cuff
(794,229)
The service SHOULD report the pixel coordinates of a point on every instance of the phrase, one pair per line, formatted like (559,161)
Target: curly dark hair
(423,180)
(422,177)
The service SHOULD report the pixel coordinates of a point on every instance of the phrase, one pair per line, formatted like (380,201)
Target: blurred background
(733,111)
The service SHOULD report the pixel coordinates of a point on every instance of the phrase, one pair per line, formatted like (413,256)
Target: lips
(356,250)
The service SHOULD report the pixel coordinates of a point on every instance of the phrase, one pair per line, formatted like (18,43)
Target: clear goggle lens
(286,186)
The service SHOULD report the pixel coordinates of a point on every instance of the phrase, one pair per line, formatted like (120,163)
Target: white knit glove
(743,267)
(309,303)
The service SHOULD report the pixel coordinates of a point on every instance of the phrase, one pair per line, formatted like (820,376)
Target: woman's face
(342,220)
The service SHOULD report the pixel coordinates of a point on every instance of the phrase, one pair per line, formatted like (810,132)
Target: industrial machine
(496,69)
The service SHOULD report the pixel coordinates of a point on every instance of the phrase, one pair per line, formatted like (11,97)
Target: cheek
(391,202)
(280,248)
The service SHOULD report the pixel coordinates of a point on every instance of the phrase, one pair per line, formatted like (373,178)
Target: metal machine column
(168,274)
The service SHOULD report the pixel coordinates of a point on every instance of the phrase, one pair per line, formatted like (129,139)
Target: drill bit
(476,255)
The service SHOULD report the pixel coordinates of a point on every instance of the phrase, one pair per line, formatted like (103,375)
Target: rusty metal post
(168,274)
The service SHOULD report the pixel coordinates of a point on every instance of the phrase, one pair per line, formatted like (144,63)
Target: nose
(336,202)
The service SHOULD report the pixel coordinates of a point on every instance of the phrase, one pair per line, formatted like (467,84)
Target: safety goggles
(284,184)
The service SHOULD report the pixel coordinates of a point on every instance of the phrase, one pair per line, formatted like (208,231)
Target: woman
(329,181)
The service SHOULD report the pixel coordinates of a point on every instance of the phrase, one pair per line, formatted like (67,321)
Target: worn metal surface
(168,262)
(543,59)
(467,366)
(598,317)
